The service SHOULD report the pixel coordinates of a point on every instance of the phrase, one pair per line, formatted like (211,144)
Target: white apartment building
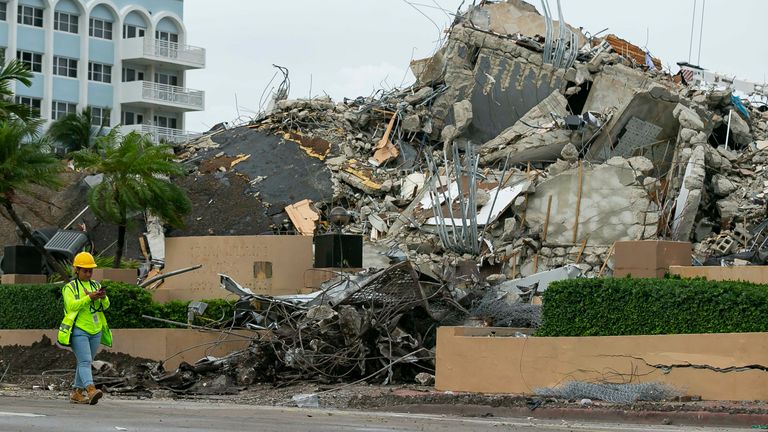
(126,59)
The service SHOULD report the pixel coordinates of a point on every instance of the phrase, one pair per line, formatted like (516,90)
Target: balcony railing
(173,95)
(174,51)
(162,134)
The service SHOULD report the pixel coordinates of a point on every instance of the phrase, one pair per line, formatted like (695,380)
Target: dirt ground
(44,363)
(222,204)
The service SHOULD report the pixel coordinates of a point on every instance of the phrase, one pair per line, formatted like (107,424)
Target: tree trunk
(120,246)
(55,265)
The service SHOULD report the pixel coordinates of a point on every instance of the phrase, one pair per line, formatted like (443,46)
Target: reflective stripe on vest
(65,328)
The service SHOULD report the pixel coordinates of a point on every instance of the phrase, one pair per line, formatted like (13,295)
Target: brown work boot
(94,394)
(78,397)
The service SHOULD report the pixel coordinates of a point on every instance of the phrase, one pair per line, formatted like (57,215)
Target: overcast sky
(348,48)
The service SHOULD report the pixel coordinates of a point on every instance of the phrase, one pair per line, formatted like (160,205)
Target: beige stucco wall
(497,364)
(153,344)
(755,274)
(290,258)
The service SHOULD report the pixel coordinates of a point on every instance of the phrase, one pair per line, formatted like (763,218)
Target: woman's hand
(94,295)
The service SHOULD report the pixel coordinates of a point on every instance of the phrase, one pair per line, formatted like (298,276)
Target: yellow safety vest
(65,329)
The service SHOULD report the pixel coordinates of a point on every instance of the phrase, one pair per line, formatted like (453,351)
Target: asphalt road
(20,414)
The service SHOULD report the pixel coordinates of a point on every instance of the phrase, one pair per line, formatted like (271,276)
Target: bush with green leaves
(41,307)
(625,306)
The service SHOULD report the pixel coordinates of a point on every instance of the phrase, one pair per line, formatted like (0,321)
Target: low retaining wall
(153,344)
(713,366)
(754,274)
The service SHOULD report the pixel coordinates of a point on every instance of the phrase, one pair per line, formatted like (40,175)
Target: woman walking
(84,326)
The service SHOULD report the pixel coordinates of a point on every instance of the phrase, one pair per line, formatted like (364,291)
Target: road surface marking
(13,414)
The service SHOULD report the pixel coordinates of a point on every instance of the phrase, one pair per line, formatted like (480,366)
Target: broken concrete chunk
(687,204)
(570,153)
(728,154)
(641,164)
(722,186)
(425,379)
(739,130)
(686,135)
(558,167)
(688,117)
(419,96)
(412,123)
(448,134)
(462,115)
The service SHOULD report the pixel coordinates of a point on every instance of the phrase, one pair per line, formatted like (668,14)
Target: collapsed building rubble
(608,147)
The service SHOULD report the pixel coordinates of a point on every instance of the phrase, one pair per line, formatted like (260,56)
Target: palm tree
(13,71)
(75,131)
(24,163)
(136,175)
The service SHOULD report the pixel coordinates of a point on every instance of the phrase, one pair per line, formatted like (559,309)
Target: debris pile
(524,153)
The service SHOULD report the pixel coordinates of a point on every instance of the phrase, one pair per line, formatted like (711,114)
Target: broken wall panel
(241,257)
(713,366)
(501,79)
(613,206)
(505,90)
(646,127)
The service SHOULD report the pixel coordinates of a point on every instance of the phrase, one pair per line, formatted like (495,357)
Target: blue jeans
(84,346)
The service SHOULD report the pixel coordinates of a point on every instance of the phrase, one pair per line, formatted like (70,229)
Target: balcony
(146,94)
(161,134)
(149,50)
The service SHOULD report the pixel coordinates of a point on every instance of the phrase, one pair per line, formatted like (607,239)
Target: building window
(167,36)
(132,75)
(65,22)
(132,31)
(99,72)
(166,122)
(131,118)
(3,11)
(33,104)
(33,61)
(63,66)
(61,109)
(100,29)
(30,16)
(99,116)
(167,79)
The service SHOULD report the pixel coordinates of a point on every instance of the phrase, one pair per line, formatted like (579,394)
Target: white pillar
(117,74)
(47,104)
(85,56)
(13,33)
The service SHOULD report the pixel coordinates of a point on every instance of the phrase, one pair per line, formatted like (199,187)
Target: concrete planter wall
(118,275)
(754,274)
(492,360)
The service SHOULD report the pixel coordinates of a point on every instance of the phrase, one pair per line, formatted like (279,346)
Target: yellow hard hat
(84,260)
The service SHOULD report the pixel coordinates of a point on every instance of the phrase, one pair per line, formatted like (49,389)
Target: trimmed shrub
(624,306)
(41,307)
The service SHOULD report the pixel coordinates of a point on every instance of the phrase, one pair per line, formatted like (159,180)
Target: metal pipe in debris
(77,217)
(167,275)
(196,327)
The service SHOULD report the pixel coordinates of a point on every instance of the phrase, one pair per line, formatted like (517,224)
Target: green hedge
(624,306)
(41,307)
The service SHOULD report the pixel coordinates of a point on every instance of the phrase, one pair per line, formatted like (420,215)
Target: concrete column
(47,104)
(117,75)
(85,55)
(13,28)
